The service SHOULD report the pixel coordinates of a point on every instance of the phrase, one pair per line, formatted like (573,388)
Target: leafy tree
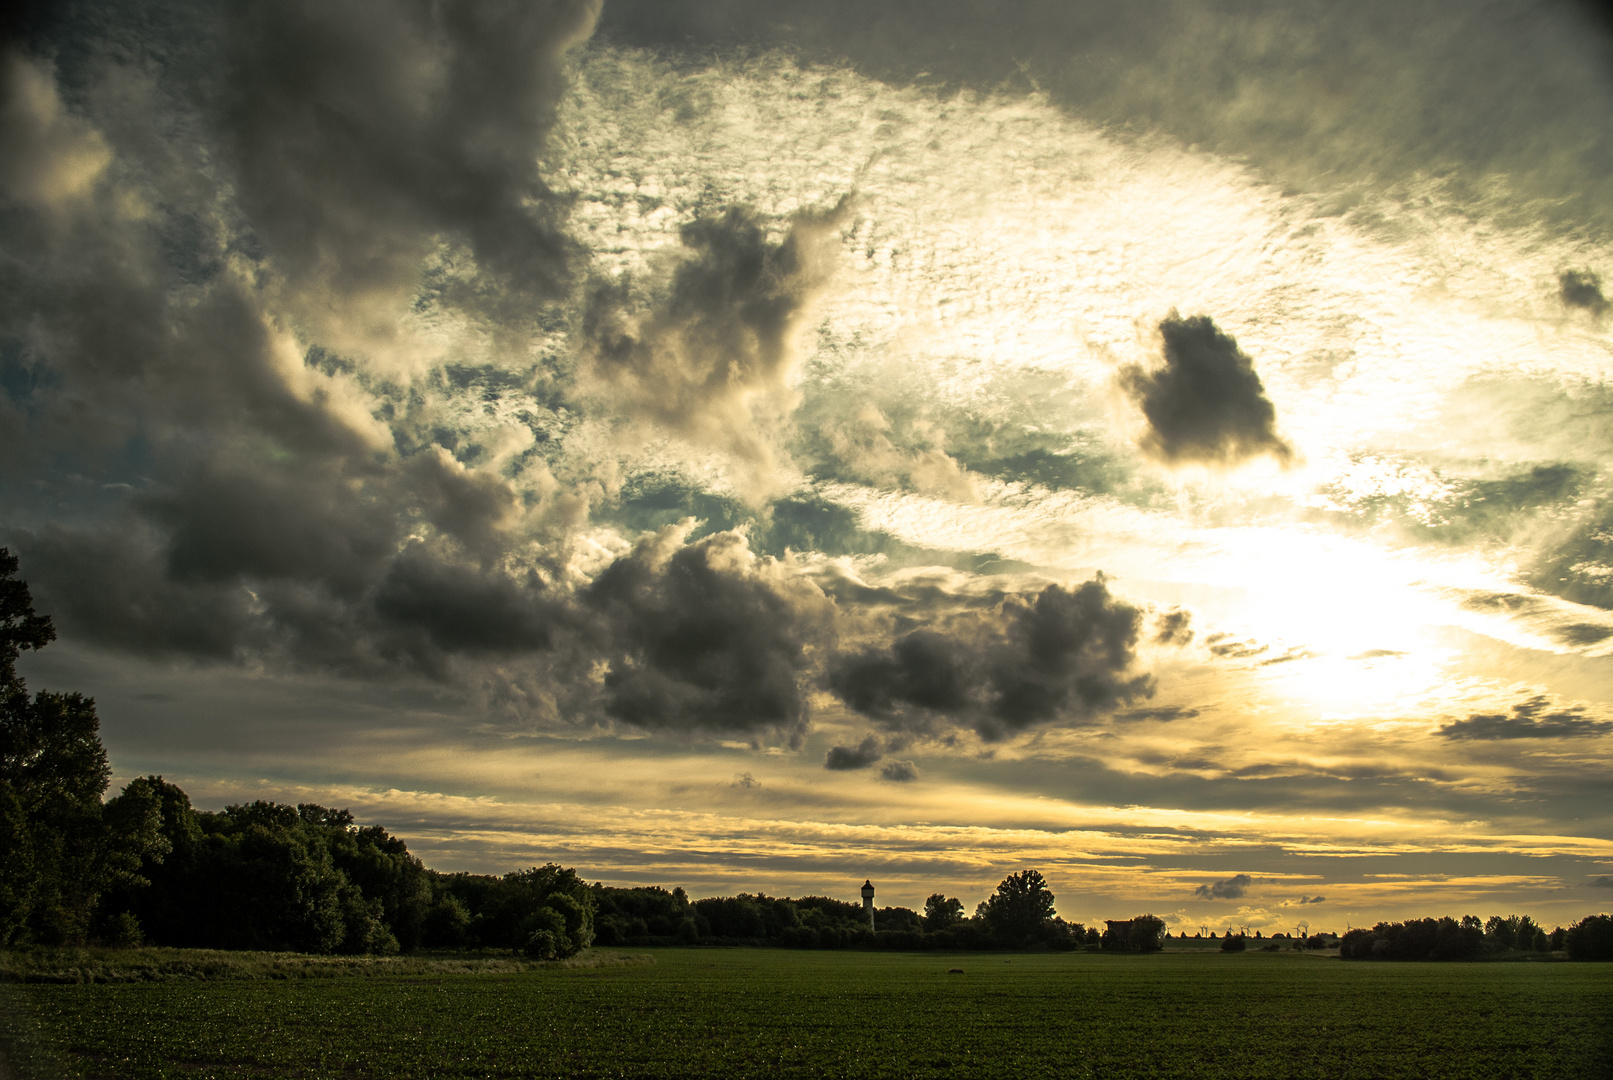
(62,848)
(942,912)
(1019,907)
(545,911)
(1590,939)
(1500,931)
(1147,934)
(1416,939)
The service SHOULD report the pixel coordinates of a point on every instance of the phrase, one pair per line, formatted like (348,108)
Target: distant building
(868,902)
(1120,928)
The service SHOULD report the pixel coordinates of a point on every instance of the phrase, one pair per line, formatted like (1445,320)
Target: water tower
(868,902)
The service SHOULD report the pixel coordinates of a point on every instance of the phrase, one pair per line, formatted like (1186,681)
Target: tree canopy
(1021,906)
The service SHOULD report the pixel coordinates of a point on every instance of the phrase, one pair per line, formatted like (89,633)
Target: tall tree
(941,912)
(1019,907)
(63,848)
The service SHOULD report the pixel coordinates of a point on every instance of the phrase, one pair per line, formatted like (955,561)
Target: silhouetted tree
(942,912)
(62,849)
(1416,939)
(1019,907)
(1590,939)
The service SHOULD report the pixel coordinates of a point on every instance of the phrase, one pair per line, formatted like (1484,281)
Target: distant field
(764,1013)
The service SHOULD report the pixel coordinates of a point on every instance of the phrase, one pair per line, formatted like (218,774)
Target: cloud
(899,772)
(53,159)
(257,496)
(1514,87)
(745,780)
(363,131)
(1226,646)
(715,360)
(1582,289)
(1602,881)
(860,756)
(706,637)
(1064,655)
(1205,405)
(1232,888)
(1528,720)
(1311,900)
(461,609)
(108,585)
(1174,627)
(857,443)
(1163,716)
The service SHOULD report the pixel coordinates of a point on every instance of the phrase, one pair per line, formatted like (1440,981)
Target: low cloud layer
(707,637)
(1204,403)
(1535,718)
(861,756)
(1232,888)
(1064,656)
(899,772)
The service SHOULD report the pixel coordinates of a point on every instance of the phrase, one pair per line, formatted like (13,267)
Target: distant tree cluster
(1020,914)
(1470,938)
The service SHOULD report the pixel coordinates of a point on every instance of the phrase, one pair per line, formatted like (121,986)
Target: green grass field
(765,1013)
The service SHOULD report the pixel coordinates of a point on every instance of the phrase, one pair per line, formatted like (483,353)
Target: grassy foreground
(765,1013)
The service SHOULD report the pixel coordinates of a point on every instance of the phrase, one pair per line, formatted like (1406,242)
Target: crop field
(766,1013)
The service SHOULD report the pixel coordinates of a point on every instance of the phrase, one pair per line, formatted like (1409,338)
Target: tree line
(147,867)
(1019,914)
(1468,938)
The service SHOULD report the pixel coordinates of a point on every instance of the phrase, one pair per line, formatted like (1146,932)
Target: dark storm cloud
(706,637)
(714,360)
(1316,96)
(860,756)
(1064,655)
(1582,289)
(109,585)
(225,524)
(1205,405)
(461,609)
(362,129)
(899,772)
(1233,888)
(1602,882)
(1528,720)
(186,201)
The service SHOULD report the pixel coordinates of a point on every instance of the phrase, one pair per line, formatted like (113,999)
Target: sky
(760,446)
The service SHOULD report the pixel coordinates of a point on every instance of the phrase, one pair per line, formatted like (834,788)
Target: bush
(1233,943)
